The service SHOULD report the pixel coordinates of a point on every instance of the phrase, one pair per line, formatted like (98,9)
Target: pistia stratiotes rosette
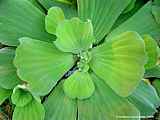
(81,65)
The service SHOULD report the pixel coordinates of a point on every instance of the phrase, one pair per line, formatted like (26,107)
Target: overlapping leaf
(79,85)
(32,111)
(105,105)
(153,72)
(4,94)
(145,99)
(156,84)
(69,10)
(41,65)
(20,18)
(59,107)
(8,76)
(74,35)
(138,23)
(120,62)
(103,14)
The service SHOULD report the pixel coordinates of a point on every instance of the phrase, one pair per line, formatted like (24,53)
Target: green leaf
(153,72)
(8,75)
(145,99)
(138,23)
(41,64)
(20,18)
(59,107)
(32,111)
(130,6)
(152,51)
(69,10)
(55,16)
(20,96)
(35,2)
(156,84)
(74,35)
(156,13)
(106,105)
(4,94)
(120,62)
(103,14)
(79,85)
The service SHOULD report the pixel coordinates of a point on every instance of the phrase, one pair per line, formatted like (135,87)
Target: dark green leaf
(102,13)
(8,75)
(153,72)
(145,99)
(20,18)
(59,107)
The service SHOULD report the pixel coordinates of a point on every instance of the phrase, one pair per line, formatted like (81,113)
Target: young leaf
(79,85)
(74,35)
(145,99)
(8,76)
(136,23)
(21,97)
(20,18)
(103,14)
(105,104)
(41,64)
(120,62)
(59,107)
(54,17)
(32,111)
(4,94)
(152,51)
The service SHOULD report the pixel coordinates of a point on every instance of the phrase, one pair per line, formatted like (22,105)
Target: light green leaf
(106,105)
(54,17)
(32,111)
(74,35)
(69,10)
(102,13)
(153,72)
(79,85)
(20,18)
(156,84)
(4,94)
(152,51)
(120,62)
(59,107)
(145,99)
(8,75)
(20,96)
(41,64)
(138,23)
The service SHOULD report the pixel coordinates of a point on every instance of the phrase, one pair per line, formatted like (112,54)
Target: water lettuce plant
(84,59)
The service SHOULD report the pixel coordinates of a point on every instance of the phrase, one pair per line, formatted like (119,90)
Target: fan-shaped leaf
(59,107)
(8,76)
(32,111)
(145,99)
(54,17)
(120,62)
(103,14)
(74,35)
(20,18)
(41,65)
(21,97)
(79,85)
(105,105)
